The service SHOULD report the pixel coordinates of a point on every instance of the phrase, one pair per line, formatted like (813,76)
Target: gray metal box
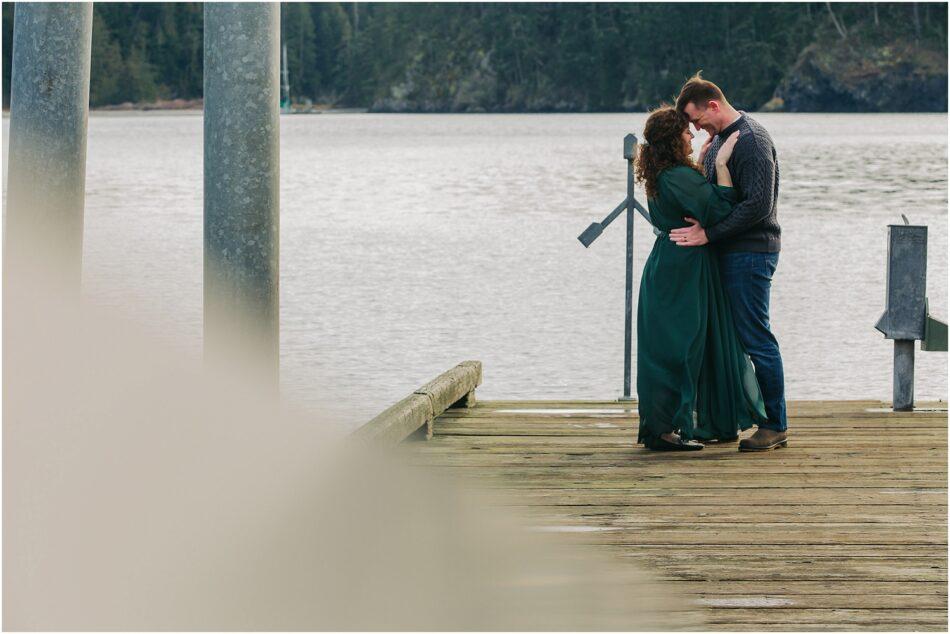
(905,313)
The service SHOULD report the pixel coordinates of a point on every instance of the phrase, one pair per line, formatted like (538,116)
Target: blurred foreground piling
(47,164)
(49,106)
(242,185)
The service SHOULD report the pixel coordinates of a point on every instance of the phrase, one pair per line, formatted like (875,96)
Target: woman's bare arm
(723,177)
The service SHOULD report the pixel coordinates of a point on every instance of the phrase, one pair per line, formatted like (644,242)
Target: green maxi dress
(689,357)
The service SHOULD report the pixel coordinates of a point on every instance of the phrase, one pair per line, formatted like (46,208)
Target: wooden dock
(846,529)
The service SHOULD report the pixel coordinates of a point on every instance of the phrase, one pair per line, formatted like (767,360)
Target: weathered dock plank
(846,529)
(657,497)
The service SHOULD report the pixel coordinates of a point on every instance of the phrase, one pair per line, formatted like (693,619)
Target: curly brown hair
(664,146)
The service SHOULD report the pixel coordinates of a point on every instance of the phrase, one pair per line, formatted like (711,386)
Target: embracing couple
(704,296)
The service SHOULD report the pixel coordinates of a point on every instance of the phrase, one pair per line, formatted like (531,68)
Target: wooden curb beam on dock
(453,388)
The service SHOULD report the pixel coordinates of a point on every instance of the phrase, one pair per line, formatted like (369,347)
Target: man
(747,241)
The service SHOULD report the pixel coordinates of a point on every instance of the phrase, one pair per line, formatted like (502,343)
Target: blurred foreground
(142,492)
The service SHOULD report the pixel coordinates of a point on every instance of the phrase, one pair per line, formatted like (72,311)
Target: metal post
(49,108)
(629,153)
(903,375)
(241,183)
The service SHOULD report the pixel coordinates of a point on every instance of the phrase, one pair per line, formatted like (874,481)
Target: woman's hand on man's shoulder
(725,150)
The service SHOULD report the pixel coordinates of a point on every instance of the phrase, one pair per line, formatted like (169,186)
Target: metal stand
(907,317)
(629,153)
(593,231)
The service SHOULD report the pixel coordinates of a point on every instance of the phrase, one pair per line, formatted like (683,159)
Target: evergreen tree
(108,67)
(298,34)
(333,34)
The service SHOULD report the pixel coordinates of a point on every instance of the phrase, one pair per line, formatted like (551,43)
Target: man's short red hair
(698,91)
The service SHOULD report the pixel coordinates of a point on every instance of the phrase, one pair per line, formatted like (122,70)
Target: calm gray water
(412,242)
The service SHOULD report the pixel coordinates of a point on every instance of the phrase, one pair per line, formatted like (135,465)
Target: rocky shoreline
(173,105)
(161,104)
(845,77)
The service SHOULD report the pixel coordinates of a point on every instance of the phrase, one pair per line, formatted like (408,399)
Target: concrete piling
(49,109)
(241,183)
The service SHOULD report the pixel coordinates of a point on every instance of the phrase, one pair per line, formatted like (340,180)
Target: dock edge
(453,388)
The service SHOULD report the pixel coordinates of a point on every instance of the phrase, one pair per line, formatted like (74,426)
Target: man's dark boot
(764,440)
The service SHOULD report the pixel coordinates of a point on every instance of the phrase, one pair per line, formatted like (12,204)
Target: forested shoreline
(512,57)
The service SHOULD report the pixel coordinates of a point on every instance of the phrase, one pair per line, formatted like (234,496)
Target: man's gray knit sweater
(753,224)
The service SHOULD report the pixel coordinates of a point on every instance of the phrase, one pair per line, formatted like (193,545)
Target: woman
(689,358)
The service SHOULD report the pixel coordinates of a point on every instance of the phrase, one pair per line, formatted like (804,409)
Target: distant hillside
(507,57)
(859,71)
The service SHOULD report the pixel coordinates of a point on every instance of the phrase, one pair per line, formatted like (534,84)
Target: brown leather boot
(764,440)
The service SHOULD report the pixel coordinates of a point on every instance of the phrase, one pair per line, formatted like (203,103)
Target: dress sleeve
(696,197)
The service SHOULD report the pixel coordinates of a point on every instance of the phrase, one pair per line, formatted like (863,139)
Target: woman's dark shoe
(659,444)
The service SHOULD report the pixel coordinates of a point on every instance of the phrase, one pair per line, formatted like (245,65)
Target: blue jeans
(747,280)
